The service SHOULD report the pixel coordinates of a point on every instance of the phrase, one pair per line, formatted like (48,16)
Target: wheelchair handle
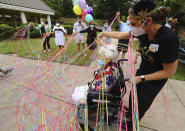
(122,60)
(127,79)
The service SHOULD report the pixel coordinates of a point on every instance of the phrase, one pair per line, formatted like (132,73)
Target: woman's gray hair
(109,52)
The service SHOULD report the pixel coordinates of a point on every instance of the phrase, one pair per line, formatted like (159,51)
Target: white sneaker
(44,51)
(49,50)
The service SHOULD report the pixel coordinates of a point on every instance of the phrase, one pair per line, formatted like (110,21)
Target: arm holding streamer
(115,35)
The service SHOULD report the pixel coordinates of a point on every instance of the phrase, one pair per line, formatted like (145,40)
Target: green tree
(63,8)
(177,6)
(106,9)
(56,5)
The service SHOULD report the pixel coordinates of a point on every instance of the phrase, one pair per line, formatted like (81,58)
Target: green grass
(180,74)
(31,49)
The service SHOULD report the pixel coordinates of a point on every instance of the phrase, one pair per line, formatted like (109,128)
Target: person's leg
(44,45)
(119,48)
(78,46)
(123,54)
(83,45)
(83,42)
(6,71)
(48,45)
(60,47)
(1,70)
(78,43)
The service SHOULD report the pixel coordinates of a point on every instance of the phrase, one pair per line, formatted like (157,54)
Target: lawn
(32,49)
(180,74)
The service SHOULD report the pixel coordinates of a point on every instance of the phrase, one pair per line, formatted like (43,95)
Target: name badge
(154,48)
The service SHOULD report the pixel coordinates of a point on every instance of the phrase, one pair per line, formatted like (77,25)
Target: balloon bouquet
(81,8)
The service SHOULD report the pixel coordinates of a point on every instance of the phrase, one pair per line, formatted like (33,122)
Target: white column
(23,18)
(49,21)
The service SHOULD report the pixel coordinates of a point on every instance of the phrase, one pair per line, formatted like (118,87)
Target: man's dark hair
(58,21)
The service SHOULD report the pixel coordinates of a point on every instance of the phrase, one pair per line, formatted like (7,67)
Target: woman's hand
(137,80)
(48,34)
(100,35)
(98,38)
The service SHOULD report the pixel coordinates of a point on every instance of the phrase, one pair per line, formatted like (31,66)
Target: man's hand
(75,33)
(118,17)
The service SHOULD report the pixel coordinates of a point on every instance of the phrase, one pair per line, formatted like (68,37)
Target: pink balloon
(84,12)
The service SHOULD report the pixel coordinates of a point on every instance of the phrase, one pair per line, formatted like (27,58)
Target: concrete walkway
(38,90)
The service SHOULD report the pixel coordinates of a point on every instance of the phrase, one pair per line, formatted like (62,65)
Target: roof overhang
(18,8)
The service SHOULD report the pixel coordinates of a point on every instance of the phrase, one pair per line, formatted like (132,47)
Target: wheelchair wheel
(82,127)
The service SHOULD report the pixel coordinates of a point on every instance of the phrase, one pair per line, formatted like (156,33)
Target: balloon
(88,18)
(84,12)
(90,10)
(82,4)
(75,2)
(83,18)
(77,10)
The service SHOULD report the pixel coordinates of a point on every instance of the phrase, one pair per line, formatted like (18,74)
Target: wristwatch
(143,79)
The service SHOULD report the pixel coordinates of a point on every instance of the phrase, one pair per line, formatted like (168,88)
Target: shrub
(69,29)
(6,31)
(34,33)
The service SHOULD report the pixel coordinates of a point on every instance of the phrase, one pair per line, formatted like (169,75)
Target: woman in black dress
(159,52)
(92,34)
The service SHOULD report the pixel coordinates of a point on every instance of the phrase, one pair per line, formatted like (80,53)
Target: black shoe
(82,126)
(129,126)
(128,115)
(8,71)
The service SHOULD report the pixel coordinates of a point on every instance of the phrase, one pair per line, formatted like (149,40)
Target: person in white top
(60,33)
(80,38)
(106,28)
(124,27)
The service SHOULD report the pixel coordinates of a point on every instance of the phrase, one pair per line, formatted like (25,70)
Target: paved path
(37,90)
